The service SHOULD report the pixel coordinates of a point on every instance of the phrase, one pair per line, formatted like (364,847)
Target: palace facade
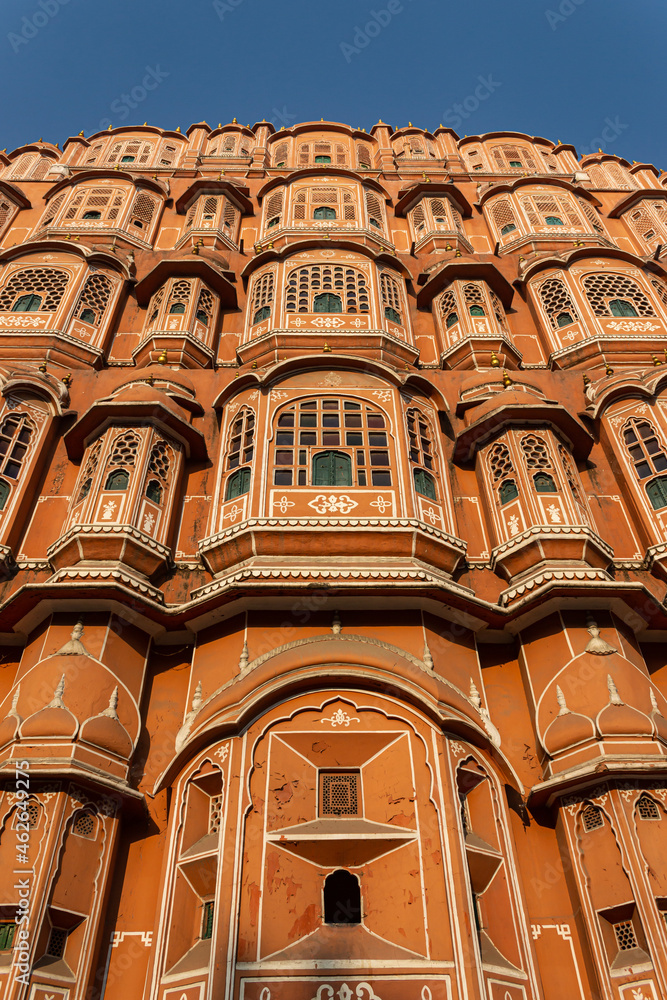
(333,563)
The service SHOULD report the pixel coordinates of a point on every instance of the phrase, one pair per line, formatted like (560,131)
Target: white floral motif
(382,504)
(554,514)
(108,510)
(333,504)
(328,322)
(149,521)
(333,379)
(232,513)
(283,504)
(277,394)
(21,321)
(513,525)
(384,395)
(634,326)
(431,515)
(340,718)
(364,991)
(222,752)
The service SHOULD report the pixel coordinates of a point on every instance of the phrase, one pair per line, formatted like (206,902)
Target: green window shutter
(4,493)
(7,931)
(207,921)
(327,303)
(238,484)
(508,491)
(619,307)
(324,213)
(332,468)
(544,483)
(424,484)
(657,492)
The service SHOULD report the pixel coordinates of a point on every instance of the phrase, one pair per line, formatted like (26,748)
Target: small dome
(107,733)
(619,719)
(567,730)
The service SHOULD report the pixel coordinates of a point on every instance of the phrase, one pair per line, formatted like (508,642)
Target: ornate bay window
(343,301)
(542,215)
(183,299)
(517,157)
(335,206)
(122,508)
(117,208)
(472,324)
(65,307)
(323,152)
(135,152)
(586,309)
(29,166)
(610,174)
(648,220)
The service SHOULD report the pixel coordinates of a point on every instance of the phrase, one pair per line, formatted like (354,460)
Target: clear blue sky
(590,72)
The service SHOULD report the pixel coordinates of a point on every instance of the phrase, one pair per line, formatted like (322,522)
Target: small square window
(340,793)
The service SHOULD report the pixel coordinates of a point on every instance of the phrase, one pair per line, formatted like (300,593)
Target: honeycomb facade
(333,508)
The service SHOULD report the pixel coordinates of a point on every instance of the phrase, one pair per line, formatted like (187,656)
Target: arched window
(94,299)
(143,210)
(280,154)
(499,462)
(131,151)
(645,447)
(503,217)
(158,466)
(513,158)
(15,433)
(7,211)
(572,477)
(448,309)
(179,297)
(322,152)
(592,818)
(647,808)
(89,469)
(621,307)
(544,483)
(363,156)
(604,289)
(238,484)
(550,210)
(45,282)
(322,427)
(557,303)
(5,490)
(326,302)
(324,212)
(205,305)
(508,491)
(274,210)
(305,284)
(92,203)
(332,468)
(240,446)
(421,453)
(391,297)
(262,297)
(657,492)
(52,210)
(342,898)
(374,210)
(125,449)
(118,479)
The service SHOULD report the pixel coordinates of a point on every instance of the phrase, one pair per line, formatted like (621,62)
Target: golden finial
(599,150)
(507,381)
(162,359)
(145,123)
(81,133)
(458,253)
(195,250)
(219,124)
(494,360)
(608,369)
(656,361)
(42,367)
(234,121)
(363,130)
(110,127)
(448,247)
(258,248)
(40,139)
(665,352)
(587,381)
(409,124)
(326,349)
(282,128)
(254,364)
(67,379)
(178,128)
(440,125)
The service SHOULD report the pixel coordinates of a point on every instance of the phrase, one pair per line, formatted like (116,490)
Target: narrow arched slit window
(238,484)
(342,898)
(118,479)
